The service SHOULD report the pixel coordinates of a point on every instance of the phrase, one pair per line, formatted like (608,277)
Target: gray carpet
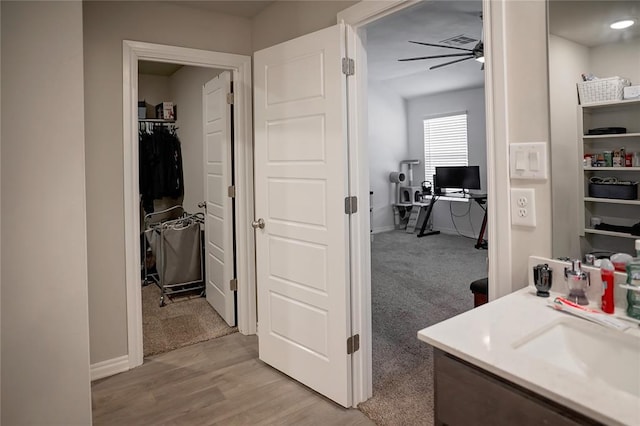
(416,282)
(183,321)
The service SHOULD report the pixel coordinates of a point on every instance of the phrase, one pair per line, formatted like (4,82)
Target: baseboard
(107,368)
(383,229)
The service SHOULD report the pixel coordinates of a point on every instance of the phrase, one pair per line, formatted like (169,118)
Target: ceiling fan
(476,53)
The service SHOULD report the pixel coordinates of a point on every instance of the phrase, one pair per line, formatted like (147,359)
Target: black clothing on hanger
(160,164)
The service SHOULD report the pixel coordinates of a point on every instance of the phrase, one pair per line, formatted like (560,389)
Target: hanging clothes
(160,165)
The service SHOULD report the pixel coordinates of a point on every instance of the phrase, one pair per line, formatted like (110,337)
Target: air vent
(459,40)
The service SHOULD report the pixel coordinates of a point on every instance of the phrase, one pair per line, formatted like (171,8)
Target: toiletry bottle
(606,272)
(633,278)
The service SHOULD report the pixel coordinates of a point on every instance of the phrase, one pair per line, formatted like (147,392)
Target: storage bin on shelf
(628,191)
(602,90)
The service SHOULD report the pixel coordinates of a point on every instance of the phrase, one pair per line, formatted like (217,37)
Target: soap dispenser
(578,281)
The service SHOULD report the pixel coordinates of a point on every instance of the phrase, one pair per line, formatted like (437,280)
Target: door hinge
(231,191)
(230,98)
(233,284)
(350,205)
(353,344)
(348,66)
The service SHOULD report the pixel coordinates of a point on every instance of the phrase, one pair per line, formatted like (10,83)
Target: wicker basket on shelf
(602,90)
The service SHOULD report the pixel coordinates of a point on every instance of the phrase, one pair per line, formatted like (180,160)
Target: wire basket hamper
(602,90)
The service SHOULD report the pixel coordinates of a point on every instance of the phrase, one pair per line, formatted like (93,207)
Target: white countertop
(487,336)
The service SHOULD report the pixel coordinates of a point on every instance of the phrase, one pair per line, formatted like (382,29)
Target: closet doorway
(216,193)
(187,204)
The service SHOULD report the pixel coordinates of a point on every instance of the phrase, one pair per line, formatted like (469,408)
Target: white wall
(621,59)
(471,101)
(520,104)
(387,147)
(285,20)
(527,117)
(186,92)
(45,335)
(153,89)
(106,25)
(567,60)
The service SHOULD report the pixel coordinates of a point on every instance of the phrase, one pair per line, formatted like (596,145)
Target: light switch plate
(523,207)
(528,160)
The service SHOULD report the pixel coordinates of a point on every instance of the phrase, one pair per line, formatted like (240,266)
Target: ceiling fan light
(480,59)
(620,25)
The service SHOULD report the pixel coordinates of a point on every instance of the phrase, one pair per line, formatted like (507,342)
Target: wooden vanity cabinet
(467,395)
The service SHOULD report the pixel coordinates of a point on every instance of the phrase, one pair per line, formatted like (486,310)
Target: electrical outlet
(523,202)
(523,208)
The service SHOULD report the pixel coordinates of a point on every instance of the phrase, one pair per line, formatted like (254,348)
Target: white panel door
(219,256)
(300,189)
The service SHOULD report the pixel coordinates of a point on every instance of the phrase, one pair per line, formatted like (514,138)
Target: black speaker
(436,187)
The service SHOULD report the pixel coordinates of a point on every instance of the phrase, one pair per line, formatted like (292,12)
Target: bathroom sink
(589,351)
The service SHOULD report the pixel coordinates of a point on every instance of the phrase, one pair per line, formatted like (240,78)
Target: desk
(481,199)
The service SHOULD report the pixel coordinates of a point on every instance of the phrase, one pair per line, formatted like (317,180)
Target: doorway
(413,111)
(239,67)
(498,184)
(187,226)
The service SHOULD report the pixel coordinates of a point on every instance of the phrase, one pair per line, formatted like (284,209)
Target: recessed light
(620,25)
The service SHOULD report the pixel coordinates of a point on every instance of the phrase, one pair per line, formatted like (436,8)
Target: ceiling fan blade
(440,45)
(449,63)
(435,57)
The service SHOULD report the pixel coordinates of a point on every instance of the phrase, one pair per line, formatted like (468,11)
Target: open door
(301,182)
(218,175)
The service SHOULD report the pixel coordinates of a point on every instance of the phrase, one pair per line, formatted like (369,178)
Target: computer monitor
(458,177)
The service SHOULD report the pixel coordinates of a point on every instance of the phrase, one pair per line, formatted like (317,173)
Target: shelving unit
(612,211)
(610,233)
(620,135)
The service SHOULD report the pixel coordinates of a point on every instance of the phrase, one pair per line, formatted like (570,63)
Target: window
(445,143)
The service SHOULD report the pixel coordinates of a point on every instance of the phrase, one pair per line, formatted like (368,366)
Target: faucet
(578,281)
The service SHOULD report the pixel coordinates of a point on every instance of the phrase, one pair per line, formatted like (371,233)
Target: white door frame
(240,65)
(499,233)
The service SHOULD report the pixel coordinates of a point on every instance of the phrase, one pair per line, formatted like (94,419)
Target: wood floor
(220,381)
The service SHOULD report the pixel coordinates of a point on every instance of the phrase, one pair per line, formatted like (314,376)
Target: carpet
(415,283)
(184,320)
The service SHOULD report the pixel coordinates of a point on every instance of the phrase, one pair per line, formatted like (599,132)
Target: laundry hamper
(177,245)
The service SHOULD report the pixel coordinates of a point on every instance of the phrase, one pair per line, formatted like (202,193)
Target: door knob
(258,224)
(202,205)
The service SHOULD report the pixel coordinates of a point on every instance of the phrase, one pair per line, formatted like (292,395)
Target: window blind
(445,143)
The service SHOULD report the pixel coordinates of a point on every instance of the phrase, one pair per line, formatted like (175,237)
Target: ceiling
(432,22)
(583,21)
(587,22)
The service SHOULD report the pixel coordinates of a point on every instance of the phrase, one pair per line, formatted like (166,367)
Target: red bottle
(607,275)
